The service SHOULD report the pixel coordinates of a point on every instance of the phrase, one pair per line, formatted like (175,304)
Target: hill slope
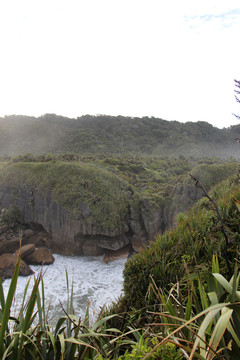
(108,134)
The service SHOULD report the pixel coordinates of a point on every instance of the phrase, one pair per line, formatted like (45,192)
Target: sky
(176,60)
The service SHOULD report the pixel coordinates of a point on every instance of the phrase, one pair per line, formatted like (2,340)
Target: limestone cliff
(74,236)
(88,210)
(69,235)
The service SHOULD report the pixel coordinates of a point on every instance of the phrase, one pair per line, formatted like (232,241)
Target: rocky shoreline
(33,250)
(36,250)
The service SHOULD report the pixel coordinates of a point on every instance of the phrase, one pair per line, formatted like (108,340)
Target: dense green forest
(115,135)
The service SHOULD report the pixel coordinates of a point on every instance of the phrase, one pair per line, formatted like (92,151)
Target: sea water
(94,283)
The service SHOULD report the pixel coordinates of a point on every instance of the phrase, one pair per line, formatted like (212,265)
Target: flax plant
(213,332)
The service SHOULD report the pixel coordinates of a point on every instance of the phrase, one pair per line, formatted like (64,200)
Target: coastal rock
(138,243)
(7,266)
(90,247)
(39,239)
(40,256)
(113,243)
(28,233)
(25,250)
(153,220)
(9,246)
(123,253)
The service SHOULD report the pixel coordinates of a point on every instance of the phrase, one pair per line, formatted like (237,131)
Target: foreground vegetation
(196,238)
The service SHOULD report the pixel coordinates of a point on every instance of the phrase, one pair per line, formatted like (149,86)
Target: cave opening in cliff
(35,227)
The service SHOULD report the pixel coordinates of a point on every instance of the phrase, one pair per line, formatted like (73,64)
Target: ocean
(94,283)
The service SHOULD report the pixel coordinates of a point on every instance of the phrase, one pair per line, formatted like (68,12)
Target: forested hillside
(109,134)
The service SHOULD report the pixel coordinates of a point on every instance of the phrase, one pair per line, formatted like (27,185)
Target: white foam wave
(93,281)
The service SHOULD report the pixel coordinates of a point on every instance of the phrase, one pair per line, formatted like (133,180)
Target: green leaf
(2,298)
(215,264)
(202,330)
(188,307)
(220,329)
(203,294)
(213,297)
(52,339)
(62,343)
(23,301)
(59,325)
(233,333)
(27,321)
(235,283)
(225,284)
(79,342)
(8,304)
(102,321)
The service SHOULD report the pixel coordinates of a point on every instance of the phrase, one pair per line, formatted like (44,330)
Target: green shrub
(192,242)
(12,216)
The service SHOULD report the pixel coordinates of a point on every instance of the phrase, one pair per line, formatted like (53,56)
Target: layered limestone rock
(68,235)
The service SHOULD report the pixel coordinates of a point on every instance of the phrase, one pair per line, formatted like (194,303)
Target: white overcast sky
(176,60)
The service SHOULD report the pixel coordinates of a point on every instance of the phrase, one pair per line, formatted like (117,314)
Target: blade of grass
(62,344)
(2,298)
(102,321)
(202,330)
(8,304)
(219,331)
(225,284)
(29,314)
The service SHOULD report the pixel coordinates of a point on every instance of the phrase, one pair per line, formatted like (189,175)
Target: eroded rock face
(90,248)
(28,233)
(7,266)
(138,243)
(68,235)
(114,244)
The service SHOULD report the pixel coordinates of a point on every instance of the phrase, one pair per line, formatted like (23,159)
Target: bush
(12,216)
(192,243)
